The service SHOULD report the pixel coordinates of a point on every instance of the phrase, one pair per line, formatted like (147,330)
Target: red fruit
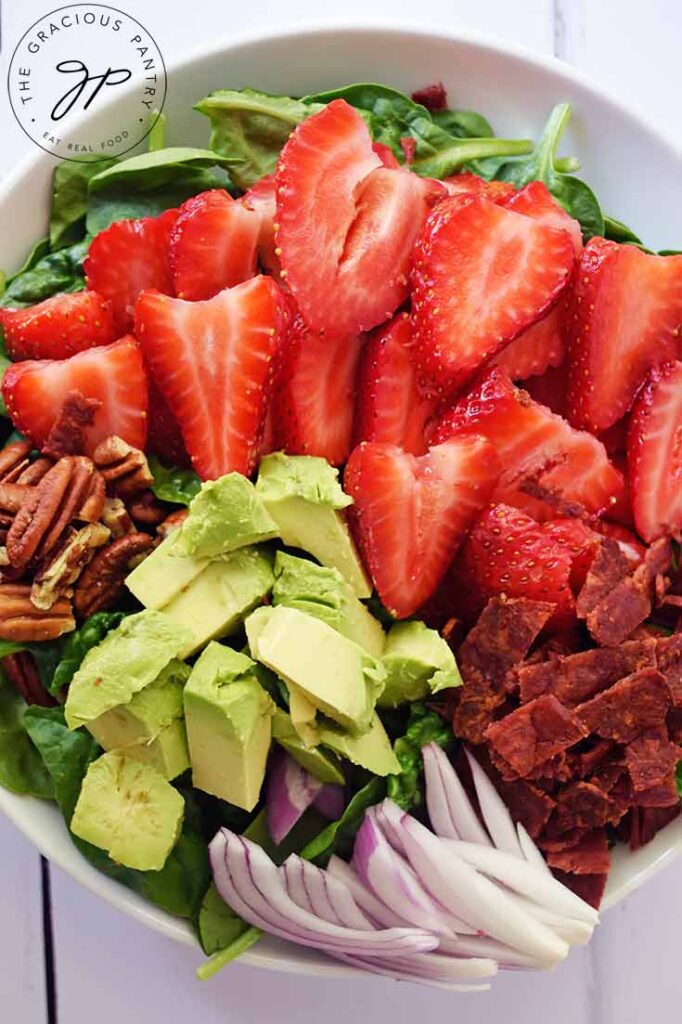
(390,406)
(346,225)
(315,394)
(550,388)
(164,437)
(433,97)
(212,361)
(655,454)
(212,245)
(540,347)
(262,198)
(34,393)
(58,327)
(472,184)
(615,439)
(536,201)
(410,514)
(508,552)
(386,155)
(535,446)
(128,257)
(579,541)
(482,274)
(624,317)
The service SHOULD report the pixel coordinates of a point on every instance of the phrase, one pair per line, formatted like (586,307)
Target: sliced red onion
(290,792)
(531,852)
(250,883)
(437,967)
(330,801)
(408,972)
(464,818)
(576,933)
(475,898)
(497,818)
(296,888)
(525,879)
(365,899)
(482,946)
(328,896)
(436,800)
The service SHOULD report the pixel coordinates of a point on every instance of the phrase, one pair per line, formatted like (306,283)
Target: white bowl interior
(620,153)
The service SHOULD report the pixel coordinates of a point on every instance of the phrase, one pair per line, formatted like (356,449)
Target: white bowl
(628,163)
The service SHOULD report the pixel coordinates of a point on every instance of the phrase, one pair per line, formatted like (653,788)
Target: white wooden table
(71,958)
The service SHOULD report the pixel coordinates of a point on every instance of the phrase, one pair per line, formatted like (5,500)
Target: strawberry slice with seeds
(655,454)
(262,198)
(482,274)
(472,184)
(624,316)
(411,513)
(58,327)
(549,388)
(536,201)
(540,347)
(580,541)
(545,462)
(212,361)
(390,406)
(128,257)
(114,375)
(346,224)
(212,245)
(315,394)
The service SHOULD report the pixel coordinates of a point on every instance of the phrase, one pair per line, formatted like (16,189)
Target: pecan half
(22,672)
(125,469)
(13,496)
(172,522)
(35,471)
(20,620)
(13,458)
(146,511)
(102,583)
(93,506)
(115,517)
(67,436)
(56,578)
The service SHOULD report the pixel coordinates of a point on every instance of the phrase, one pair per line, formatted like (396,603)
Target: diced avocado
(336,676)
(226,514)
(151,726)
(130,810)
(303,495)
(371,749)
(129,658)
(214,604)
(322,765)
(228,718)
(163,575)
(324,593)
(303,714)
(418,662)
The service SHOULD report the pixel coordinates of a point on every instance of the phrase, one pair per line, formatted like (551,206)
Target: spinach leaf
(218,926)
(338,836)
(77,644)
(439,154)
(249,128)
(389,111)
(678,778)
(616,231)
(21,766)
(157,133)
(70,200)
(171,483)
(464,124)
(60,271)
(574,195)
(38,250)
(424,726)
(66,754)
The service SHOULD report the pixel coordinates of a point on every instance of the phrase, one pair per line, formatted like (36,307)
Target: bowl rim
(667,845)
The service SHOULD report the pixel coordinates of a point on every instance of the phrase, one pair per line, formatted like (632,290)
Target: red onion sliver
(436,800)
(330,801)
(365,899)
(575,933)
(530,850)
(408,973)
(483,946)
(290,792)
(338,899)
(463,815)
(497,818)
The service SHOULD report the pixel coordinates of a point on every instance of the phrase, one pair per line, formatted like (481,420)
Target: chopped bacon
(590,856)
(647,822)
(651,760)
(632,705)
(582,805)
(578,677)
(534,733)
(589,887)
(608,568)
(527,804)
(669,659)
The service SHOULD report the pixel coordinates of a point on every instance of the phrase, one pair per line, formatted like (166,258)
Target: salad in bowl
(339,499)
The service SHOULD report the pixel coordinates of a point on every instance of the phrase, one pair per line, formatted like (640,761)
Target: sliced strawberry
(550,388)
(315,394)
(212,361)
(390,406)
(114,375)
(212,245)
(540,347)
(128,257)
(410,514)
(655,454)
(346,224)
(472,184)
(262,198)
(482,274)
(624,317)
(615,439)
(630,545)
(386,155)
(581,543)
(164,437)
(540,453)
(536,201)
(58,327)
(433,97)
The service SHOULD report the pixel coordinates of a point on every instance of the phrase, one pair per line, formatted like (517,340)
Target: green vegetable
(21,767)
(249,128)
(573,194)
(223,934)
(171,483)
(678,778)
(616,231)
(424,726)
(60,271)
(70,200)
(464,124)
(157,133)
(338,836)
(439,154)
(76,645)
(46,656)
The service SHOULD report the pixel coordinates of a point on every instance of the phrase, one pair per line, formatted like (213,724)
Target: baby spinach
(439,154)
(616,231)
(70,200)
(157,133)
(574,195)
(172,483)
(678,778)
(76,645)
(21,767)
(464,124)
(218,926)
(424,726)
(338,836)
(53,272)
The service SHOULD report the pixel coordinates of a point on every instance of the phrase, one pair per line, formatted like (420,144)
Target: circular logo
(68,64)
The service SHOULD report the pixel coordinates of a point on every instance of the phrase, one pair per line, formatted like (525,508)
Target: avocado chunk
(303,495)
(228,717)
(151,726)
(303,716)
(129,658)
(214,604)
(322,765)
(130,810)
(226,514)
(418,662)
(163,575)
(371,749)
(332,672)
(324,593)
